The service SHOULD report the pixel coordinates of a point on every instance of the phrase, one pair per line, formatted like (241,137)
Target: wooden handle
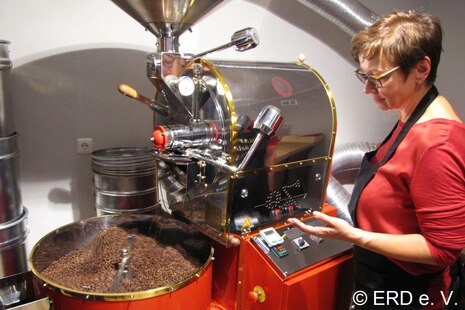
(128,91)
(131,92)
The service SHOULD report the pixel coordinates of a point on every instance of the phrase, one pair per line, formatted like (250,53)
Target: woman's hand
(335,228)
(408,247)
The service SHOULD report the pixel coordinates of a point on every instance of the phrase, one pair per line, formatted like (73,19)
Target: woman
(408,202)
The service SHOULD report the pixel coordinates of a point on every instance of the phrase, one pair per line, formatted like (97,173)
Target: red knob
(253,296)
(159,138)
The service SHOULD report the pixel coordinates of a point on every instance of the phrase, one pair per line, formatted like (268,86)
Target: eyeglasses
(374,80)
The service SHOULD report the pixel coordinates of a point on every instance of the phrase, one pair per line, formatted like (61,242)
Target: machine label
(247,223)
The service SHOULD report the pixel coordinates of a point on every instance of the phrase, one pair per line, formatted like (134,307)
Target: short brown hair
(403,38)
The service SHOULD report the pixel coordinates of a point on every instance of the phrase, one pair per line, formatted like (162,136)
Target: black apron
(374,272)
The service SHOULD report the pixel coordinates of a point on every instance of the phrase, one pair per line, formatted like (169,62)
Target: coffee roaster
(240,147)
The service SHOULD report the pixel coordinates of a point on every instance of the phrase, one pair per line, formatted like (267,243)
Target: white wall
(70,55)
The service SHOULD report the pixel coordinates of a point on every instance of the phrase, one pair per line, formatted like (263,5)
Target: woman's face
(396,92)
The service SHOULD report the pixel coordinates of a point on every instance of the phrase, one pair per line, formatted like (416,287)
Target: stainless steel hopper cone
(167,19)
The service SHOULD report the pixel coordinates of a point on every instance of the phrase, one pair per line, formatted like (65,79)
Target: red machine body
(245,278)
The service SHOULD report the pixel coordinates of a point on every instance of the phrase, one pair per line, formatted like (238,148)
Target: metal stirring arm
(123,266)
(243,40)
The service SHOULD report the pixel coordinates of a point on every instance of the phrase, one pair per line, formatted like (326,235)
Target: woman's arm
(409,248)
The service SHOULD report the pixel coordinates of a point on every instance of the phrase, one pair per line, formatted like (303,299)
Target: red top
(421,189)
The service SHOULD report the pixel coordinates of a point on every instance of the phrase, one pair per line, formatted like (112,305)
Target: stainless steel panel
(288,174)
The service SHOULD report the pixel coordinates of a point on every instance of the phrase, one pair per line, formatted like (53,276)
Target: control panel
(291,250)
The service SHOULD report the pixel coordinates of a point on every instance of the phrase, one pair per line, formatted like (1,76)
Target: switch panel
(298,249)
(300,243)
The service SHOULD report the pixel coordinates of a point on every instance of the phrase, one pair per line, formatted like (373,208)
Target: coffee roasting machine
(240,147)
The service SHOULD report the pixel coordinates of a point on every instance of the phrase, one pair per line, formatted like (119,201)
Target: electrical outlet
(84,145)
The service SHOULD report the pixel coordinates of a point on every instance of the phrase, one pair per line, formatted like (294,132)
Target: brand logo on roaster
(282,86)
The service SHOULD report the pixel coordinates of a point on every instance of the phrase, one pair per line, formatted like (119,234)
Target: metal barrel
(10,194)
(124,181)
(13,254)
(13,216)
(6,109)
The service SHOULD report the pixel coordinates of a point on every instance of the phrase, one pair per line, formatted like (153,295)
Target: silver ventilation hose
(349,15)
(346,157)
(333,22)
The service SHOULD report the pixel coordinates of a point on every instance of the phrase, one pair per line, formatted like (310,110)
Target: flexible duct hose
(349,15)
(333,22)
(345,157)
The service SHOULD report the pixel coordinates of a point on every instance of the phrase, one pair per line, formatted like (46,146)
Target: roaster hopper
(240,145)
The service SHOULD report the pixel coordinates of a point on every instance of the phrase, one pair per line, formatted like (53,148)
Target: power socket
(85,145)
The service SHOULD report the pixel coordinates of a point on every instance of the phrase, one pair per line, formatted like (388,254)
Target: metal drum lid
(123,161)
